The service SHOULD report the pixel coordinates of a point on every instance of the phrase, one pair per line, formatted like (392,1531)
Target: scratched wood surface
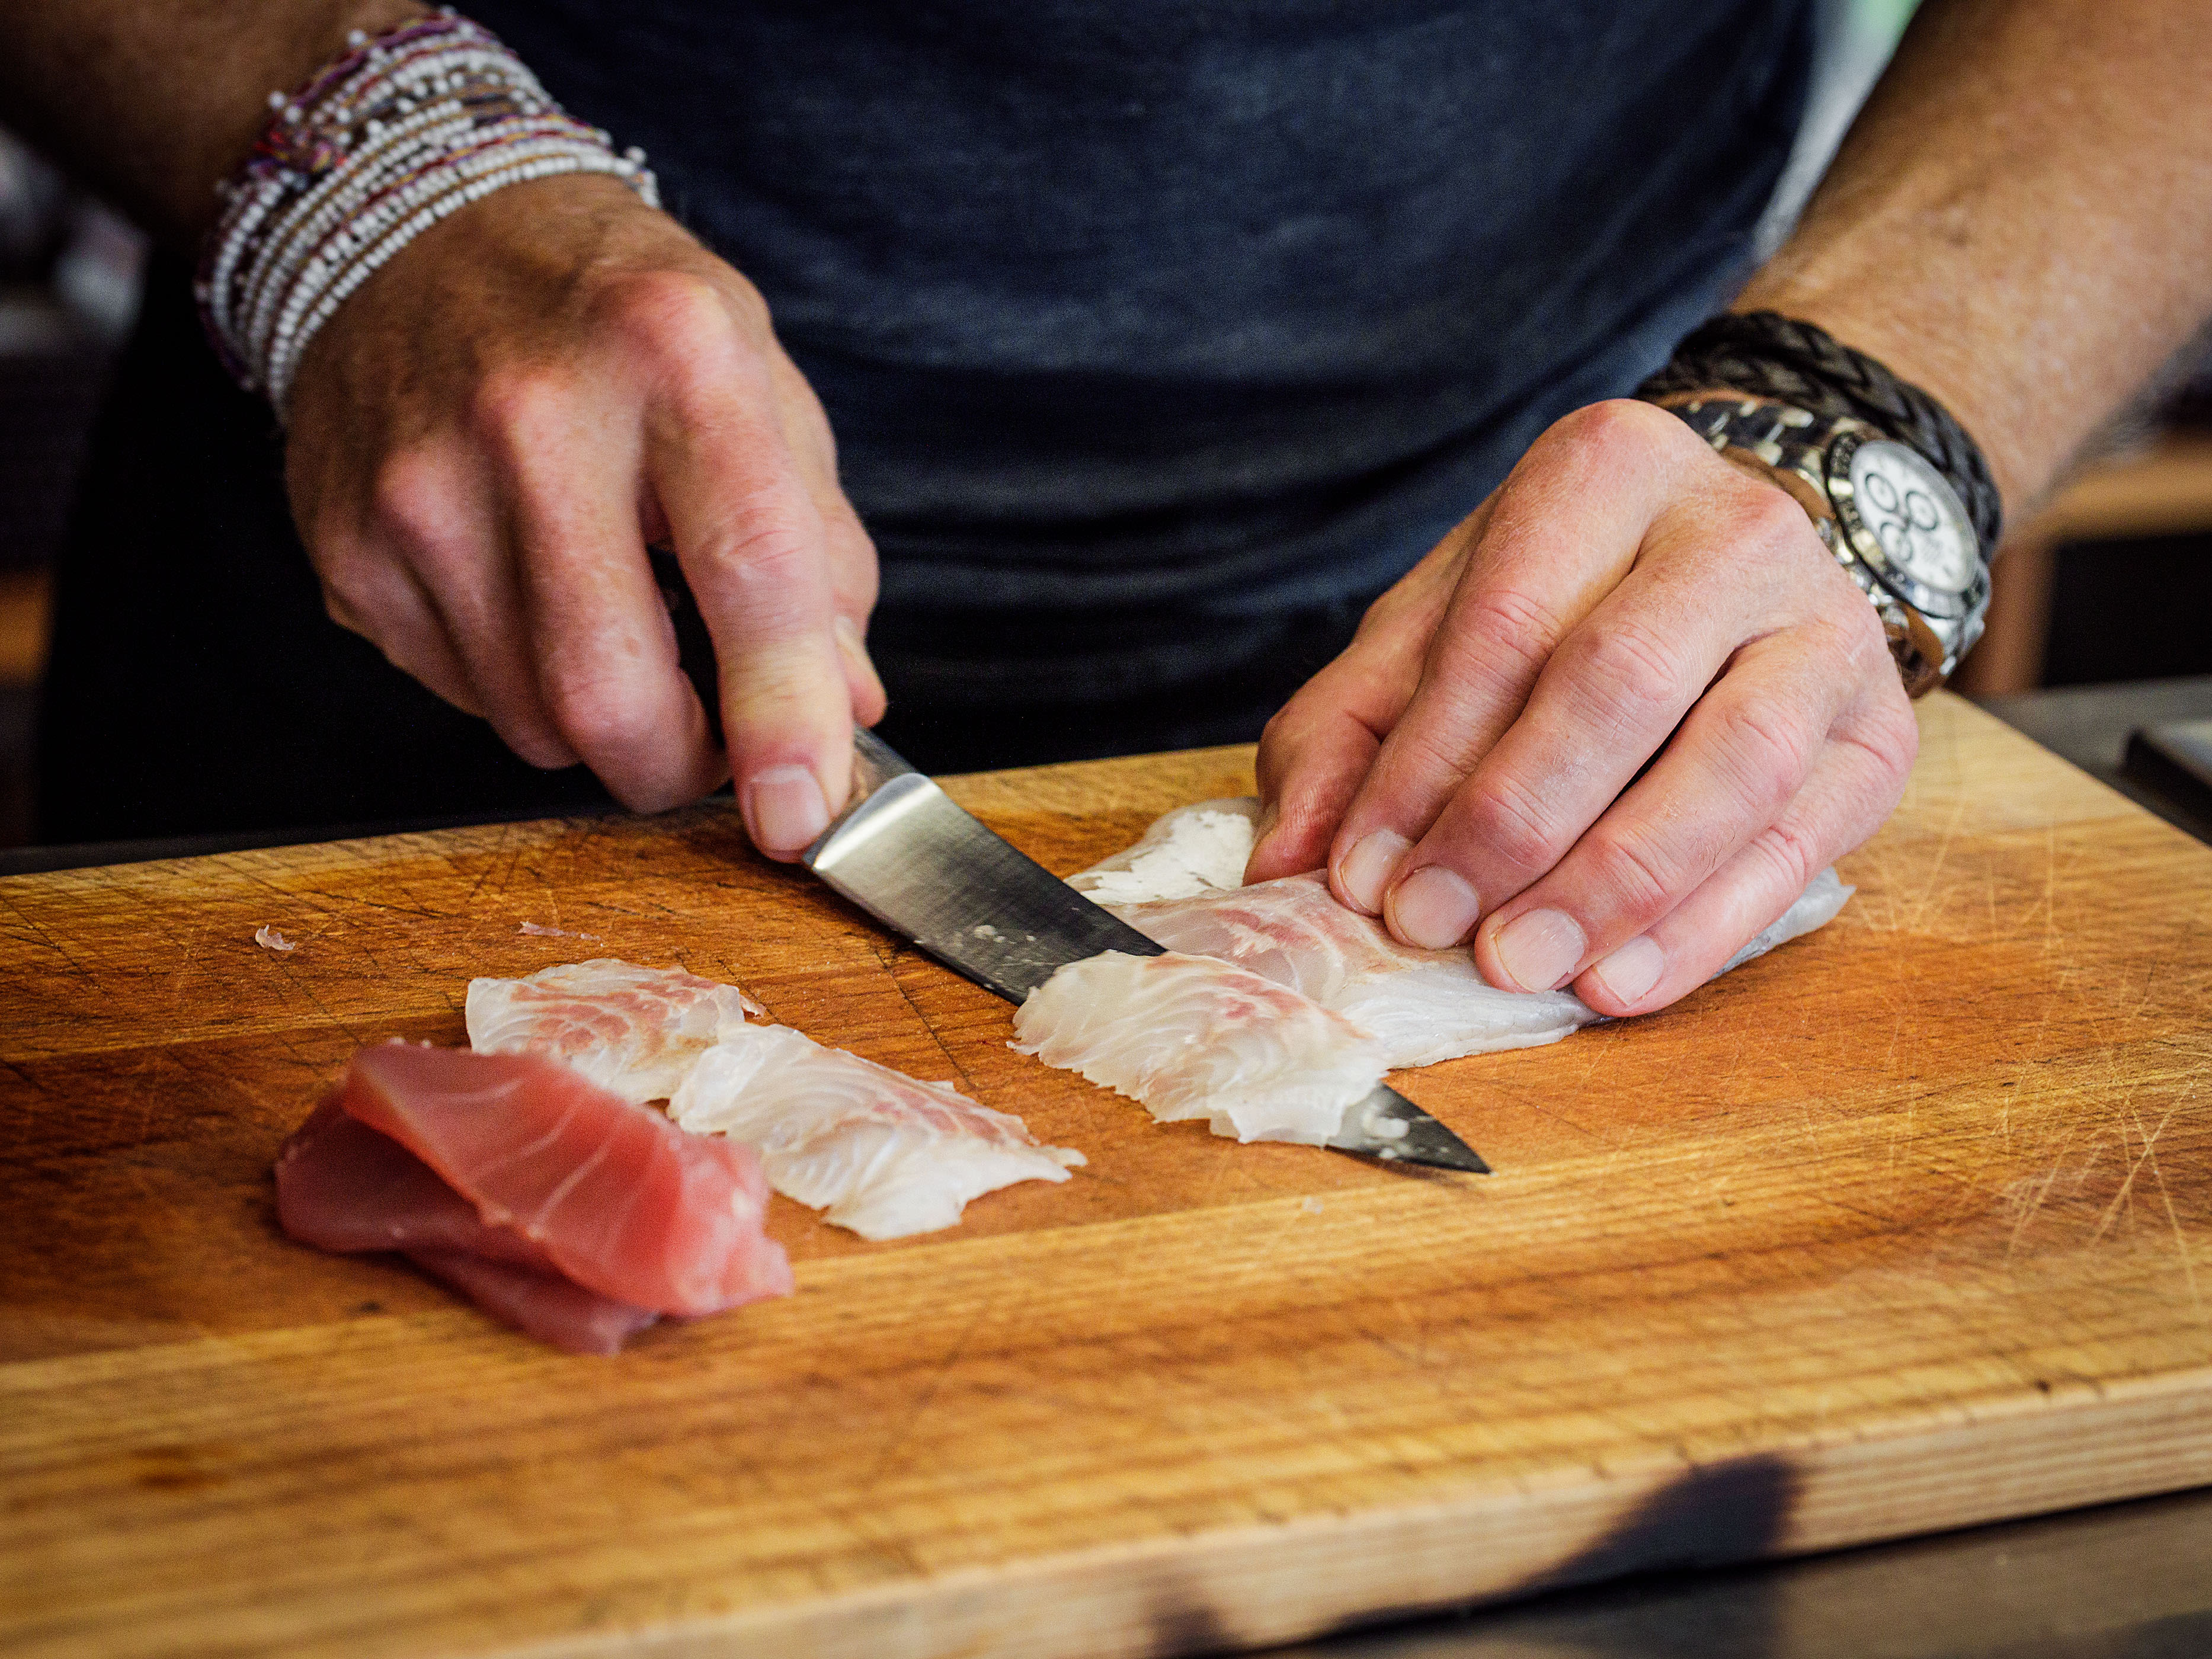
(1906,1226)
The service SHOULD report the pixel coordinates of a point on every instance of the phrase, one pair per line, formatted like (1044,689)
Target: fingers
(850,552)
(1610,696)
(1852,787)
(1647,677)
(1324,740)
(1564,530)
(1738,762)
(754,550)
(435,515)
(388,608)
(598,635)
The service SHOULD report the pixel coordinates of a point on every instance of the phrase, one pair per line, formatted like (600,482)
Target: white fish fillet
(1195,849)
(1423,1005)
(881,1153)
(635,1031)
(1195,1037)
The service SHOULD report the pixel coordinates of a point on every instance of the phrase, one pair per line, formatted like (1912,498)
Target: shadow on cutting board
(2126,1581)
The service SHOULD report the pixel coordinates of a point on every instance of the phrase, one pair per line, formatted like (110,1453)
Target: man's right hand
(486,437)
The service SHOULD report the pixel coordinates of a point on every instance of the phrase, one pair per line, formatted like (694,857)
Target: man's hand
(1473,756)
(487,436)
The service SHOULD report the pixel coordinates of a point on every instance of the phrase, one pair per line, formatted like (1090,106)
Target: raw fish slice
(1422,1006)
(342,1186)
(1193,1037)
(1199,849)
(635,1030)
(881,1153)
(543,1305)
(625,1203)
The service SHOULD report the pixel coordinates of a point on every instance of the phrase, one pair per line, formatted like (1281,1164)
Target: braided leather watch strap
(1771,355)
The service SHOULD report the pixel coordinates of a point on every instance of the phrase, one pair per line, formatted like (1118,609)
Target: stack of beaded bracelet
(382,145)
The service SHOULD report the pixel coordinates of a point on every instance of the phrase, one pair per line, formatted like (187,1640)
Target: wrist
(375,150)
(1885,514)
(285,52)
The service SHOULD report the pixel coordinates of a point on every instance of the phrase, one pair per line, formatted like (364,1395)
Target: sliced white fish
(1424,1006)
(1420,1006)
(875,1150)
(1195,849)
(635,1031)
(1193,1037)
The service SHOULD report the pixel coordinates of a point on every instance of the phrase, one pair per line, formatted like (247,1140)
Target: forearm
(152,101)
(2021,220)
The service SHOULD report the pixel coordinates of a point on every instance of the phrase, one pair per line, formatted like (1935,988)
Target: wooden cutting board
(1906,1226)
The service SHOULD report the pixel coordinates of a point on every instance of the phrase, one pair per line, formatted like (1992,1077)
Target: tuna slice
(543,1304)
(879,1152)
(634,1031)
(620,1201)
(1193,1037)
(341,1186)
(1424,1006)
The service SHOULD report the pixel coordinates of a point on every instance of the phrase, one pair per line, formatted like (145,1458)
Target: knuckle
(1616,428)
(407,503)
(1284,733)
(1508,823)
(1846,629)
(1894,739)
(1626,665)
(595,717)
(678,321)
(1629,869)
(767,546)
(1507,623)
(1427,756)
(515,407)
(351,582)
(1765,516)
(1787,849)
(765,564)
(663,305)
(1769,748)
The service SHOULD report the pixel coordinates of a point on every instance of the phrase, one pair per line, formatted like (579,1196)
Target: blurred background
(2107,586)
(69,292)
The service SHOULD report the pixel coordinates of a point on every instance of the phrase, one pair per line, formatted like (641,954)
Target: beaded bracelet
(379,146)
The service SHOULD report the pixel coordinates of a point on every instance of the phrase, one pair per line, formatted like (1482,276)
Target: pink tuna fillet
(341,1186)
(620,1199)
(543,1304)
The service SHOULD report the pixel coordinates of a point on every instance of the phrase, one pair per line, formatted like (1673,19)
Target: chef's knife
(929,871)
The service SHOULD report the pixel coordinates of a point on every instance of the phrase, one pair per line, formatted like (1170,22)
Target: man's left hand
(1608,729)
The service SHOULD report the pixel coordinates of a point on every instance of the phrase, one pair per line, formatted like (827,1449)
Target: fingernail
(1630,973)
(1434,908)
(1541,948)
(1365,870)
(784,809)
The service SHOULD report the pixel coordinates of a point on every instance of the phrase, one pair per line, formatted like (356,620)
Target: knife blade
(906,854)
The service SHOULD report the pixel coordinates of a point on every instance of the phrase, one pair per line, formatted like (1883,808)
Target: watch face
(1908,509)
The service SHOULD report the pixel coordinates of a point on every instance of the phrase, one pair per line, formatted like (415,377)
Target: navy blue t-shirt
(1215,305)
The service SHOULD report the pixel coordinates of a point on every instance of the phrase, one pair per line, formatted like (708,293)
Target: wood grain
(1906,1226)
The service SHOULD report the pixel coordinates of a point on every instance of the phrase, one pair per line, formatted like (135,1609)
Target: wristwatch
(1889,517)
